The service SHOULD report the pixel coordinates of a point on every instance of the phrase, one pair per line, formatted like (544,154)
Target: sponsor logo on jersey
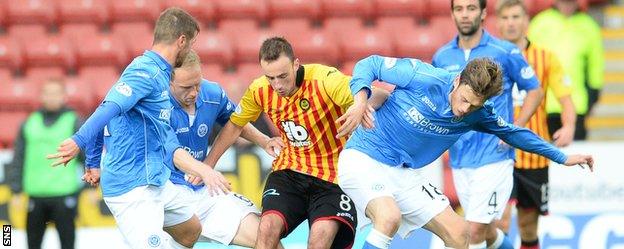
(269,192)
(197,154)
(501,122)
(452,68)
(123,89)
(416,119)
(429,103)
(165,114)
(182,130)
(297,135)
(202,130)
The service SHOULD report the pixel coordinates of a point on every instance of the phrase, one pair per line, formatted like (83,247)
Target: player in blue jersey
(428,111)
(477,156)
(140,144)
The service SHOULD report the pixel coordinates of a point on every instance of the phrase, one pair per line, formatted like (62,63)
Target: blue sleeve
(519,71)
(131,87)
(226,108)
(93,151)
(171,144)
(399,72)
(95,124)
(518,137)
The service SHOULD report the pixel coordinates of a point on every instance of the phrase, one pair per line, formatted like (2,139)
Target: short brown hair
(173,23)
(484,76)
(504,4)
(273,47)
(482,4)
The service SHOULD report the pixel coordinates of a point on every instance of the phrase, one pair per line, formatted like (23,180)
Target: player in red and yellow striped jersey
(303,101)
(531,171)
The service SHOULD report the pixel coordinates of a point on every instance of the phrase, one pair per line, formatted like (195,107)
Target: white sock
(378,239)
(500,237)
(481,245)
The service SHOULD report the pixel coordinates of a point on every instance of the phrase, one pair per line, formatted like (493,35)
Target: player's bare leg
(248,232)
(527,224)
(270,231)
(186,233)
(505,221)
(477,232)
(451,228)
(322,234)
(385,215)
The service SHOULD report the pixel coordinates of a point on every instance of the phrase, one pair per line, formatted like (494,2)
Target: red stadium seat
(358,44)
(294,9)
(394,25)
(49,51)
(100,78)
(249,70)
(3,15)
(211,71)
(79,95)
(248,44)
(245,9)
(38,75)
(32,11)
(135,10)
(214,47)
(10,126)
(26,32)
(10,53)
(445,25)
(234,85)
(232,28)
(77,32)
(137,36)
(316,46)
(84,11)
(411,8)
(418,42)
(356,8)
(19,95)
(101,50)
(439,8)
(291,27)
(341,25)
(202,10)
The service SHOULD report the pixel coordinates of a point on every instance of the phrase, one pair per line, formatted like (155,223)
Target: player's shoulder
(318,71)
(258,83)
(210,90)
(502,46)
(445,48)
(141,66)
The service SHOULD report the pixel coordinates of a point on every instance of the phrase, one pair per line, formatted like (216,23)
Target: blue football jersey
(212,105)
(475,148)
(139,140)
(416,125)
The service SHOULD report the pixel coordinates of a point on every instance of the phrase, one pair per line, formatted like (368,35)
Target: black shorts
(296,197)
(531,189)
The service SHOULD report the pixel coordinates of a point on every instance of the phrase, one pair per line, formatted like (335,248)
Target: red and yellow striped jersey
(550,75)
(306,120)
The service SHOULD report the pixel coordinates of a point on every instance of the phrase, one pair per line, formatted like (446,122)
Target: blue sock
(369,246)
(506,243)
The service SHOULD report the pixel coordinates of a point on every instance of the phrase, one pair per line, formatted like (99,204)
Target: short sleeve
(247,110)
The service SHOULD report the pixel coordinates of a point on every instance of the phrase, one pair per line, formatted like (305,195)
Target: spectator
(576,40)
(52,191)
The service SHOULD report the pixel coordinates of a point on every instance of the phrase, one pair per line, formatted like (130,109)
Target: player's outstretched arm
(215,181)
(272,145)
(224,140)
(354,115)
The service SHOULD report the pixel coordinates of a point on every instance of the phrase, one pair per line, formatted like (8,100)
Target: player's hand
(92,176)
(368,121)
(273,146)
(580,160)
(65,152)
(215,181)
(194,180)
(351,119)
(564,136)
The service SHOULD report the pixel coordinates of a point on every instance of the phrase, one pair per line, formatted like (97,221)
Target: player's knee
(503,225)
(388,222)
(477,231)
(458,235)
(271,226)
(189,238)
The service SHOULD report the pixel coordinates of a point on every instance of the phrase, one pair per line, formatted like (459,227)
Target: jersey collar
(160,61)
(300,74)
(485,38)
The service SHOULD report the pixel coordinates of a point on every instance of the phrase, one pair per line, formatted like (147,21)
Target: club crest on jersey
(456,119)
(501,122)
(304,104)
(202,130)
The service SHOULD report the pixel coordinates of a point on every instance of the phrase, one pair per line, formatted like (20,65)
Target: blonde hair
(504,4)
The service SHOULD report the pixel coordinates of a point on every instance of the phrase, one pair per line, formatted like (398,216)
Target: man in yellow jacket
(576,40)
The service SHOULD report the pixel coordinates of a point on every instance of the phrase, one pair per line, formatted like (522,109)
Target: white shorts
(142,213)
(220,215)
(364,179)
(483,192)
